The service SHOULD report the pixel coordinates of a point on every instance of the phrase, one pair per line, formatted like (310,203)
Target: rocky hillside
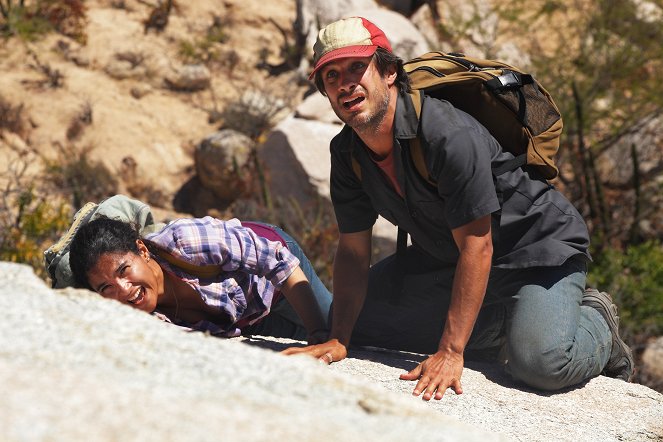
(140,98)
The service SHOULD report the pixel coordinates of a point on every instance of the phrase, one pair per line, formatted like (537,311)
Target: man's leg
(552,340)
(406,314)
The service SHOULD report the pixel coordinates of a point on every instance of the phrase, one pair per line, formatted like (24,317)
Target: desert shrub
(31,217)
(29,224)
(254,113)
(206,49)
(11,117)
(76,175)
(634,278)
(31,19)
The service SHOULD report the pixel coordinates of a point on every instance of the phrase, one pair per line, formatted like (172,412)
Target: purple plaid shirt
(253,268)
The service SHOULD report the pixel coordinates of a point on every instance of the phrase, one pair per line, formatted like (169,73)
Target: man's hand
(328,352)
(438,372)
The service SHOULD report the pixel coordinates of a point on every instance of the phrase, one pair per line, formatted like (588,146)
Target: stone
(652,360)
(316,107)
(74,364)
(189,78)
(221,161)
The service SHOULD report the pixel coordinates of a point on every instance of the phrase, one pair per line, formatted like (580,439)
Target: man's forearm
(463,311)
(467,294)
(350,284)
(349,296)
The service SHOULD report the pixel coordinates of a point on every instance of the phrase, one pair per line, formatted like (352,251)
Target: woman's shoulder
(190,237)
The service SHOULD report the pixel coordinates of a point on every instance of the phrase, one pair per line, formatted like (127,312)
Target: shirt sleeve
(462,168)
(210,241)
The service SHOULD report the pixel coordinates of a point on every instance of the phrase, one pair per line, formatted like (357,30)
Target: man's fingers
(412,374)
(326,358)
(421,386)
(456,386)
(431,391)
(295,350)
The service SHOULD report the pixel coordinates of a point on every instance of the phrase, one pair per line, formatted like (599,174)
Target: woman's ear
(142,250)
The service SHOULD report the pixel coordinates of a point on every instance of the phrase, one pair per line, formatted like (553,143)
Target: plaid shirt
(252,268)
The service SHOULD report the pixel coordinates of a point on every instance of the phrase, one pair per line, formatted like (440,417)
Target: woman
(206,274)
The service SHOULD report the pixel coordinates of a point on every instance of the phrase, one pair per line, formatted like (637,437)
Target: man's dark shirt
(532,223)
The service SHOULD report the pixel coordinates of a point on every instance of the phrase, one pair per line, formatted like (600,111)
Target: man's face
(359,95)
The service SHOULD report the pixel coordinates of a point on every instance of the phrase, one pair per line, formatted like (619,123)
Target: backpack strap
(416,152)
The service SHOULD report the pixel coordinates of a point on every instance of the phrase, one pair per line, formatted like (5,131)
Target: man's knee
(545,369)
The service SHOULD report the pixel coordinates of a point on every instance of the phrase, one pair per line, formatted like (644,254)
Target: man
(507,253)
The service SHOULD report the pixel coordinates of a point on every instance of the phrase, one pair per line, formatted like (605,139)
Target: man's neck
(380,140)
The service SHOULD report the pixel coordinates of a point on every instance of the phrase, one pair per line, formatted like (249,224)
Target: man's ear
(391,74)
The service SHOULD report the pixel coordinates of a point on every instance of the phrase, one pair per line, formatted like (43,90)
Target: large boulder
(76,366)
(220,160)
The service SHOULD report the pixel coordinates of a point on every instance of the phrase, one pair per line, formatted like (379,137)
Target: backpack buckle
(509,79)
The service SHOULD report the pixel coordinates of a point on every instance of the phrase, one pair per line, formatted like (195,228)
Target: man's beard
(371,122)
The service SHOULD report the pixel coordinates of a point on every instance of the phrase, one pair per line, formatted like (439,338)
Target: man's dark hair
(383,60)
(103,235)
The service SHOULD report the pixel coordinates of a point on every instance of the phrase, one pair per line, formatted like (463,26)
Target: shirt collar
(406,122)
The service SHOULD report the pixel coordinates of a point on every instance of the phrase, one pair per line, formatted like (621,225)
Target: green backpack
(512,105)
(56,257)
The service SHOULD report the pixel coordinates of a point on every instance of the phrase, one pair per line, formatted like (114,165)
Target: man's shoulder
(442,121)
(440,115)
(343,140)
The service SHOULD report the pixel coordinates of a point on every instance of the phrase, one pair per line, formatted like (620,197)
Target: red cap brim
(345,52)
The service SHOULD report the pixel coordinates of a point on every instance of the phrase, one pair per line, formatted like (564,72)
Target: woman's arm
(297,290)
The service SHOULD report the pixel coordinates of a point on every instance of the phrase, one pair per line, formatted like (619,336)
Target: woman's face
(128,277)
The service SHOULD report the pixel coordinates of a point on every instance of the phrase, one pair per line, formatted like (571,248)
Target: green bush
(29,224)
(634,278)
(31,19)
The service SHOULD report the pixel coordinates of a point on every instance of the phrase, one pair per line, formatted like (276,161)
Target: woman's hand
(327,352)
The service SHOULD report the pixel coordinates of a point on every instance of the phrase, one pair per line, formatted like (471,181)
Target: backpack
(56,257)
(517,111)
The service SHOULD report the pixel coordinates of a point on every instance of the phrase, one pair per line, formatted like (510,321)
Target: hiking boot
(620,364)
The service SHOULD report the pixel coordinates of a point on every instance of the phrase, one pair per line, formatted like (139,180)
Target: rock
(315,13)
(406,40)
(316,107)
(74,364)
(652,360)
(73,353)
(189,78)
(122,69)
(220,160)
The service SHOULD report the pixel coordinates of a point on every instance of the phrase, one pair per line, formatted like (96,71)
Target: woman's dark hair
(103,235)
(383,60)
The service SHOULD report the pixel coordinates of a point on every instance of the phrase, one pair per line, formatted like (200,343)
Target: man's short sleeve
(465,180)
